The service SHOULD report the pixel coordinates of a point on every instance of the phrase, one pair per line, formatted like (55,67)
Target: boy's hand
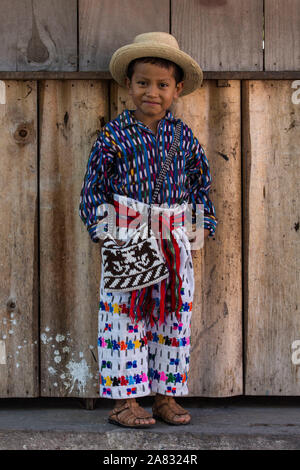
(120,243)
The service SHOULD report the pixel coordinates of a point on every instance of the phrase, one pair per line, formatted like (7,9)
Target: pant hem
(114,395)
(169,391)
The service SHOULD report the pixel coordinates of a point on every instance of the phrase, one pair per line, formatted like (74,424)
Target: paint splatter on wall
(70,370)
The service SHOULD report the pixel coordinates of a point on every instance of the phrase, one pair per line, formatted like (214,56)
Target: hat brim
(193,75)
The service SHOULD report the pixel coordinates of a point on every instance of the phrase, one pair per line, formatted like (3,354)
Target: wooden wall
(245,323)
(271,249)
(19,209)
(81,35)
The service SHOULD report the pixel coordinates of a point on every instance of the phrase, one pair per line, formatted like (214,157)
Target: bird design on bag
(129,261)
(115,263)
(145,256)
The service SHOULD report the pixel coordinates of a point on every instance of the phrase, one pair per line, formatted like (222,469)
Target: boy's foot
(168,410)
(129,413)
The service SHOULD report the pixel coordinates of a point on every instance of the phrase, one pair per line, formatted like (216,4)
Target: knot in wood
(11,304)
(24,133)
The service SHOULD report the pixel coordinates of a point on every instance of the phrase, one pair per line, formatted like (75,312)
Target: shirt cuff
(205,220)
(211,224)
(96,229)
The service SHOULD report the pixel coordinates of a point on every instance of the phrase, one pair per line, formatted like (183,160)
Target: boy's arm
(199,175)
(96,185)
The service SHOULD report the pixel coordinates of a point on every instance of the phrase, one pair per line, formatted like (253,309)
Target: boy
(125,160)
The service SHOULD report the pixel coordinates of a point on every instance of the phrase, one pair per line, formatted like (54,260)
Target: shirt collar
(127,119)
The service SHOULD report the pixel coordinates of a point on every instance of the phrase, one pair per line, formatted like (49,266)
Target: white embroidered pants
(135,359)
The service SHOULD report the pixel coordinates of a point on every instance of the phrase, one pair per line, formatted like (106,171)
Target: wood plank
(107,25)
(220,35)
(119,100)
(216,344)
(213,112)
(71,115)
(19,243)
(38,35)
(282,35)
(271,246)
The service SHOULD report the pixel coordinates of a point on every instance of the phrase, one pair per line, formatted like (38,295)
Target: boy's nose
(151,91)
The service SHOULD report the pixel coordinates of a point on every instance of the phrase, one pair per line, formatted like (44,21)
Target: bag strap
(167,162)
(164,170)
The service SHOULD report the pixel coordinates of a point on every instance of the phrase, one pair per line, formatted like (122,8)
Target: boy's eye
(143,83)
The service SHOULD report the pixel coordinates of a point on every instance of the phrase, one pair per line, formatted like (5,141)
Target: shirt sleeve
(199,177)
(96,188)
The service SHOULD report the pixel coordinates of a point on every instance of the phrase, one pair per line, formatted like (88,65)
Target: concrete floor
(217,423)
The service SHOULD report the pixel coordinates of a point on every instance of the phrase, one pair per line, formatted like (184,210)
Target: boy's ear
(127,81)
(179,88)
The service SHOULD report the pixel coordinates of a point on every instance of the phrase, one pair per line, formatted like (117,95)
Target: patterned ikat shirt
(126,159)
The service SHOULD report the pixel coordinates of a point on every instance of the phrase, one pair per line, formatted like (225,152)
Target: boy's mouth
(151,102)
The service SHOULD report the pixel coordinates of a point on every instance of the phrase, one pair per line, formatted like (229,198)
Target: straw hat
(161,45)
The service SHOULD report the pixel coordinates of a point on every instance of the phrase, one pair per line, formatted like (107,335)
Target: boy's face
(153,89)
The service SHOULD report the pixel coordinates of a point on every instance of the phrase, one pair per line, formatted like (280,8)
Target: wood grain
(220,34)
(71,114)
(38,35)
(282,35)
(107,25)
(216,364)
(271,245)
(19,240)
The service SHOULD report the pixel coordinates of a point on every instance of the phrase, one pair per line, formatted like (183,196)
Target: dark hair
(166,64)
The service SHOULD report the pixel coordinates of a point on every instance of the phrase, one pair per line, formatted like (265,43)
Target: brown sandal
(167,408)
(126,415)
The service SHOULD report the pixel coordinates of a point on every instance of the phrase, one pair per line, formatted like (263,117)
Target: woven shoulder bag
(139,262)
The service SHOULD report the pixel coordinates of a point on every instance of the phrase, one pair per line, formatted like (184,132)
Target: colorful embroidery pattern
(169,377)
(121,345)
(138,378)
(137,358)
(128,380)
(176,342)
(124,309)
